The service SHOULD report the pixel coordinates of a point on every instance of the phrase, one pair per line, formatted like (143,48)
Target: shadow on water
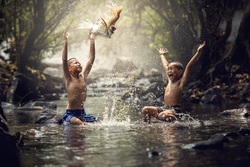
(122,139)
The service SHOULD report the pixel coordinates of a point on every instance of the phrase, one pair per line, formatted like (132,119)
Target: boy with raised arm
(75,81)
(177,79)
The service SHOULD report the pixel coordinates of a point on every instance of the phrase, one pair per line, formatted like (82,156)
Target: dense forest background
(31,31)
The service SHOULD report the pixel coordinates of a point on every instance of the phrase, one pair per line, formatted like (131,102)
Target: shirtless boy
(75,81)
(177,79)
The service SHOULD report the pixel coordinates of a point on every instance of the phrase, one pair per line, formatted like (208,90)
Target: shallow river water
(122,139)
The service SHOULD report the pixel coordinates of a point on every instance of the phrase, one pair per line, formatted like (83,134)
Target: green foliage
(163,23)
(175,24)
(30,24)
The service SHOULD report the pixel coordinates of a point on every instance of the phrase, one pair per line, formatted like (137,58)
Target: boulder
(212,96)
(22,89)
(155,88)
(214,142)
(217,141)
(42,104)
(10,144)
(124,65)
(10,148)
(236,112)
(48,116)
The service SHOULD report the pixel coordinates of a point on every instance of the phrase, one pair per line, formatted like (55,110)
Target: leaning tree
(28,27)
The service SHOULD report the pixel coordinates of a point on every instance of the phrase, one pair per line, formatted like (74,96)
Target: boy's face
(174,73)
(74,66)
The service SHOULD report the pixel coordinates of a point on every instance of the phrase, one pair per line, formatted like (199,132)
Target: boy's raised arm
(191,62)
(65,55)
(91,58)
(164,61)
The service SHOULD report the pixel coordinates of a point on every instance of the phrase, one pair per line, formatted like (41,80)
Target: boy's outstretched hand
(162,51)
(91,36)
(201,46)
(65,35)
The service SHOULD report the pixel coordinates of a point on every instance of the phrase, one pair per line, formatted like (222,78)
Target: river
(123,140)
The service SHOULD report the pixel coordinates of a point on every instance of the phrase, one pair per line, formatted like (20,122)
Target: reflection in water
(122,139)
(172,155)
(75,144)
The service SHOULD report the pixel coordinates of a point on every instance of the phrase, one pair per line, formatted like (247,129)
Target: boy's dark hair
(69,60)
(178,65)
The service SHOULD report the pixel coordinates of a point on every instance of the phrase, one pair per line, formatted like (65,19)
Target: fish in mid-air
(105,25)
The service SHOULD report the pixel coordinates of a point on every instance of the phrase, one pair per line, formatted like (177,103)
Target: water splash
(115,112)
(105,25)
(118,114)
(185,121)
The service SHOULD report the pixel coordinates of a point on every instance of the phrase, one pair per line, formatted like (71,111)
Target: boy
(75,82)
(177,78)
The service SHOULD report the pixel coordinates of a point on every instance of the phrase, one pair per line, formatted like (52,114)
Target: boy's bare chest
(77,85)
(173,88)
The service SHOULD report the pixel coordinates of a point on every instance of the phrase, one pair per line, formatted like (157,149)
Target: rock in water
(214,142)
(45,116)
(236,112)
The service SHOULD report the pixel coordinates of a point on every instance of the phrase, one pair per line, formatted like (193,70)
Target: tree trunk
(39,23)
(241,54)
(222,50)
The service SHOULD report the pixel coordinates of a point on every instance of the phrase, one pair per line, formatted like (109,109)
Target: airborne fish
(106,24)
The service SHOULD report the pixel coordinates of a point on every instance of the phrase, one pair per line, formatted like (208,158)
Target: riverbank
(135,86)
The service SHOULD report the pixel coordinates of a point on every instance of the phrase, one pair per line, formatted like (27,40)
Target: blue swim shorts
(80,113)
